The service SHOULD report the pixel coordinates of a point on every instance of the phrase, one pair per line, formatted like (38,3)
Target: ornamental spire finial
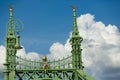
(11,10)
(10,25)
(75,27)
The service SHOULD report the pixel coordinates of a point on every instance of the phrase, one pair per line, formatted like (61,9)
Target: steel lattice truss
(28,70)
(49,73)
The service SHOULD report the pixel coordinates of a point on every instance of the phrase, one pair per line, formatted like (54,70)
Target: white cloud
(30,55)
(58,50)
(101,49)
(2,56)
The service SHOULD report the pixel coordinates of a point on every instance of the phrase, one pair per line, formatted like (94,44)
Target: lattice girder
(48,73)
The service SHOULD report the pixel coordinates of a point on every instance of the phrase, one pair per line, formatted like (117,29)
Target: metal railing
(23,63)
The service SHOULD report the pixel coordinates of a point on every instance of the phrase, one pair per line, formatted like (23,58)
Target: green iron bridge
(18,68)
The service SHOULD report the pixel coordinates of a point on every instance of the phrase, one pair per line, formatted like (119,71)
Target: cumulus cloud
(58,50)
(2,56)
(30,55)
(101,49)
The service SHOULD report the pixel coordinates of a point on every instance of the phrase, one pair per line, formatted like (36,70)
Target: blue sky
(50,21)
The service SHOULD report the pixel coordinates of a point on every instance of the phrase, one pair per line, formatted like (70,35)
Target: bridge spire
(75,27)
(76,43)
(12,44)
(11,26)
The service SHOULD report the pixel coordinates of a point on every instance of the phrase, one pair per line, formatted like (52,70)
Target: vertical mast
(10,50)
(76,43)
(75,27)
(12,44)
(11,25)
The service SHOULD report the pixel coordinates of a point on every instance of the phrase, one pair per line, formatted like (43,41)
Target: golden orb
(44,58)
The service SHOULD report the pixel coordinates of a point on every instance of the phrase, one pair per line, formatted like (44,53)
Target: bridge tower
(12,44)
(76,40)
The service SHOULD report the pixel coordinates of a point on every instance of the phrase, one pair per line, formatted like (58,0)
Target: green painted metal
(46,79)
(12,42)
(76,41)
(69,68)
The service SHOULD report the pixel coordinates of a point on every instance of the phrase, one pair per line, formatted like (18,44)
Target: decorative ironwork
(69,68)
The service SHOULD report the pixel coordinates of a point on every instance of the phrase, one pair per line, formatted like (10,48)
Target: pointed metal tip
(10,7)
(74,7)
